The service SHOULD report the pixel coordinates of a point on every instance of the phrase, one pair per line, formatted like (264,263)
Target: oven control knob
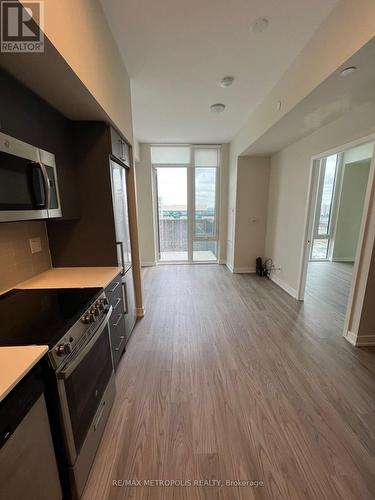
(94,312)
(63,349)
(100,305)
(86,319)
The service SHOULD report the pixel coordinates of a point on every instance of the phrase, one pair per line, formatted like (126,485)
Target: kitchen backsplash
(17,262)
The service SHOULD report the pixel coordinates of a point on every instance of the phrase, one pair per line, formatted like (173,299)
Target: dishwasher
(28,468)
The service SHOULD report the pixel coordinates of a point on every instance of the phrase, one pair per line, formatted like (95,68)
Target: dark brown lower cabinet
(120,294)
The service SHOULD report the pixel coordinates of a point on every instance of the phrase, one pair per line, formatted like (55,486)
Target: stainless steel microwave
(28,182)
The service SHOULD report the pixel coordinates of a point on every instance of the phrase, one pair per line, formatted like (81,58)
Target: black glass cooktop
(41,316)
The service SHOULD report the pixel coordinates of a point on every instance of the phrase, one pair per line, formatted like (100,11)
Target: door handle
(46,187)
(46,184)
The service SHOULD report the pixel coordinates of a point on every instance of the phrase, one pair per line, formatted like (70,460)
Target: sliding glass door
(172,213)
(187,202)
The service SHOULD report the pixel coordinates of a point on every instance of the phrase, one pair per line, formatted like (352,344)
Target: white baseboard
(361,340)
(343,259)
(148,264)
(229,267)
(351,338)
(365,340)
(140,312)
(240,270)
(279,282)
(243,270)
(222,261)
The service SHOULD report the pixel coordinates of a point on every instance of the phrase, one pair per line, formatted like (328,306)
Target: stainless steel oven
(78,370)
(28,182)
(86,389)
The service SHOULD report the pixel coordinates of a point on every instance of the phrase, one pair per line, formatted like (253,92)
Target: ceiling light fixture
(348,71)
(260,25)
(217,108)
(226,81)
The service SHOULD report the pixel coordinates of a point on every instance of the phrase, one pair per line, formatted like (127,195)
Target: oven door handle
(70,367)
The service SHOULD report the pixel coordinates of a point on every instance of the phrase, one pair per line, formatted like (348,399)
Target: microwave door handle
(46,185)
(70,367)
(122,256)
(37,166)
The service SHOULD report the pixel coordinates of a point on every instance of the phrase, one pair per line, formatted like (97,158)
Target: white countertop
(15,363)
(72,277)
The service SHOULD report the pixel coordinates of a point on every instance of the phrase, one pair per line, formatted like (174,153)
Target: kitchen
(193,377)
(70,289)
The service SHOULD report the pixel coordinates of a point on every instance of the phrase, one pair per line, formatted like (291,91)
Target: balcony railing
(173,233)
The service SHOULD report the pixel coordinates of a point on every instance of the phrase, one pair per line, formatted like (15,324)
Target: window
(322,233)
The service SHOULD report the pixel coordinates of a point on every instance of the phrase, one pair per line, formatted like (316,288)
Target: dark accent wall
(91,240)
(85,235)
(27,117)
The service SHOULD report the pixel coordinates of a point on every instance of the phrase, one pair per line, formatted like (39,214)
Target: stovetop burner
(41,316)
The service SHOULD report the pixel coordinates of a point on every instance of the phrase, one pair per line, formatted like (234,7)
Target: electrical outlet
(35,245)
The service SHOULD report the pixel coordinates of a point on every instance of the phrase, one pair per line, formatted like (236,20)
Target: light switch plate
(35,245)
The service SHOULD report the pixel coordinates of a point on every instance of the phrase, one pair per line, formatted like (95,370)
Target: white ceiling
(332,99)
(177,51)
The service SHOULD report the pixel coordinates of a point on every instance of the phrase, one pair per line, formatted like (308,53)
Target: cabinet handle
(118,321)
(125,290)
(99,416)
(115,285)
(121,341)
(116,305)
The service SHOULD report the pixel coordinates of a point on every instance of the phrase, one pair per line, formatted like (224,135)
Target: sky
(172,187)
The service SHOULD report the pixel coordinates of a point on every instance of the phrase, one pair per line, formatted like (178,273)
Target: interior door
(121,213)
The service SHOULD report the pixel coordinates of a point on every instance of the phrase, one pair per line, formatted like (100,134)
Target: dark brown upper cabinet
(119,147)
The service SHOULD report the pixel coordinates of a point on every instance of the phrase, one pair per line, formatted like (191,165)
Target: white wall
(336,40)
(251,211)
(349,216)
(231,212)
(146,234)
(289,179)
(223,205)
(80,33)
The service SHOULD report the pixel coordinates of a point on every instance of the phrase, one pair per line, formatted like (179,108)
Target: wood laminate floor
(229,378)
(327,291)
